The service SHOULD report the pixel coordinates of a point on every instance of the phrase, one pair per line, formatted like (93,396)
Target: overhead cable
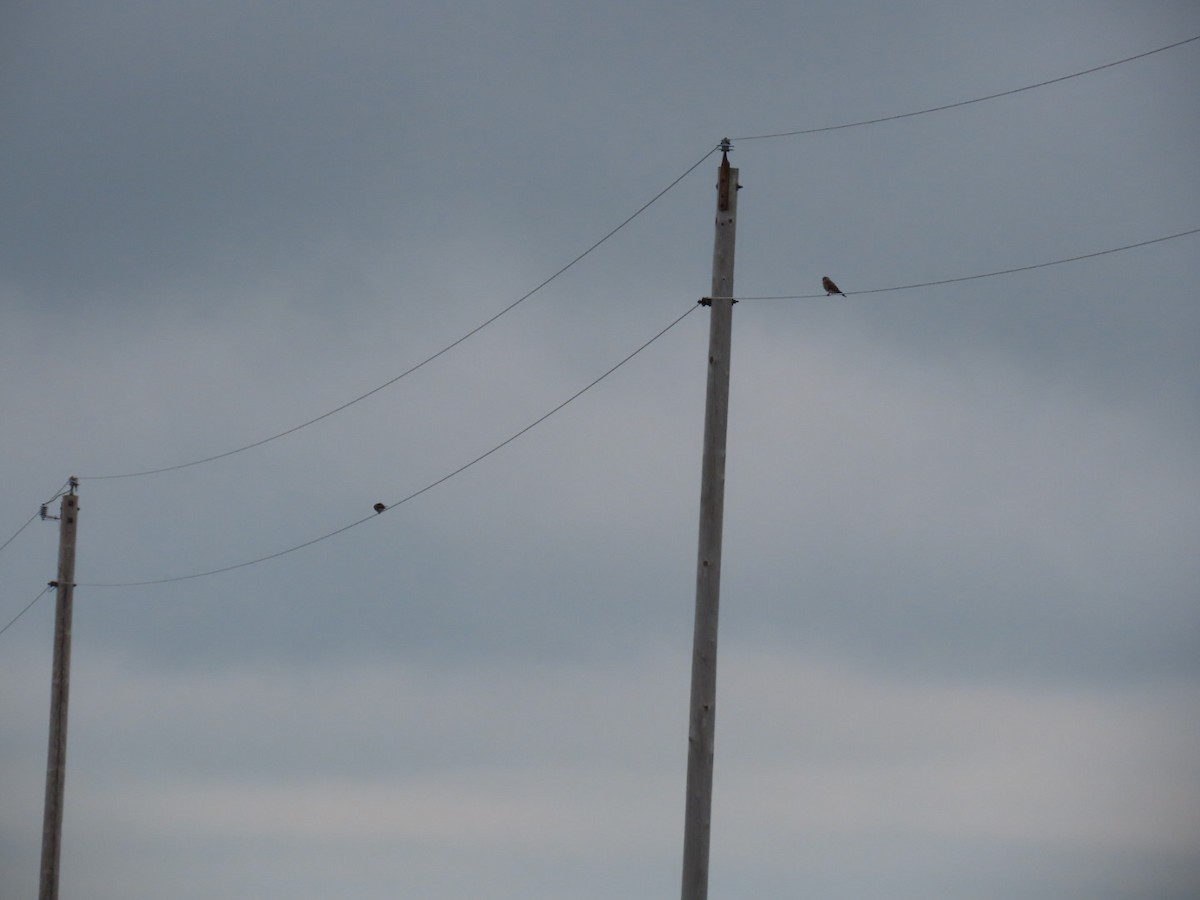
(422,363)
(19,530)
(933,109)
(40,512)
(1054,262)
(411,496)
(28,607)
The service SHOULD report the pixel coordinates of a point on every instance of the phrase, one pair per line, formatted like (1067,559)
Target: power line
(933,109)
(19,530)
(414,494)
(28,521)
(422,363)
(593,247)
(1055,262)
(13,620)
(610,371)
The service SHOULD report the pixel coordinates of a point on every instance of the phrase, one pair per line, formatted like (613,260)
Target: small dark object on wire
(830,287)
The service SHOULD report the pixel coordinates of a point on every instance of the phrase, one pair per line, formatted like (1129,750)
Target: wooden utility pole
(56,761)
(698,808)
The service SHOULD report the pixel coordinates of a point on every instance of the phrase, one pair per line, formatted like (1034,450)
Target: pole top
(726,145)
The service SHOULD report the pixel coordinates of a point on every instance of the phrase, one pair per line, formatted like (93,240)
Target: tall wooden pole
(698,808)
(56,761)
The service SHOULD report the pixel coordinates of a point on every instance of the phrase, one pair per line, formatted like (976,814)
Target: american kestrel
(379,507)
(830,287)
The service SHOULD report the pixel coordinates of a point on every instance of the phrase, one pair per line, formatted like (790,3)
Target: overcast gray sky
(960,646)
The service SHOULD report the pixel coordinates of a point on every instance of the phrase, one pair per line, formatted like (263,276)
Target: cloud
(957,609)
(541,761)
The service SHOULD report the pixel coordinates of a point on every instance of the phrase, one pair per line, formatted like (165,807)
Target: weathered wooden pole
(56,759)
(698,808)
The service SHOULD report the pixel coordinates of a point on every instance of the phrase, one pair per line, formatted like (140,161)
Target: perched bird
(379,507)
(830,287)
